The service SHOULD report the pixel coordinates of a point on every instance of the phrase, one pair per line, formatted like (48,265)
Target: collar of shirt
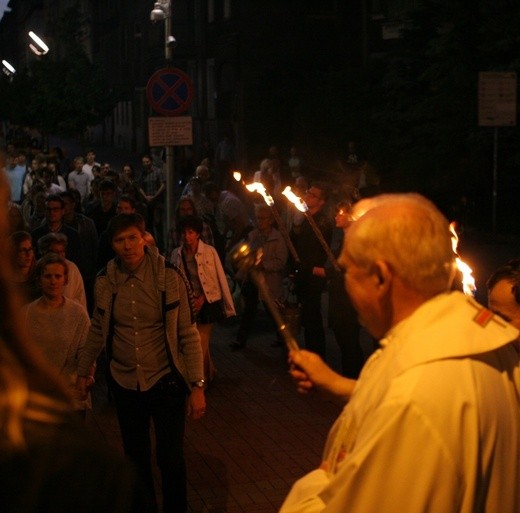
(123,274)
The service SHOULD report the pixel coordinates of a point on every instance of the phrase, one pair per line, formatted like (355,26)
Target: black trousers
(165,406)
(312,320)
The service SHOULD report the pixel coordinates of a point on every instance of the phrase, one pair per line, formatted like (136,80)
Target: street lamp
(162,10)
(8,68)
(39,47)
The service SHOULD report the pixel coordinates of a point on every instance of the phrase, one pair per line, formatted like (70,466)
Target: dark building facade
(254,65)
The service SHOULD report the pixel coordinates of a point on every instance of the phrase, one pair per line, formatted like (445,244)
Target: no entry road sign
(169,91)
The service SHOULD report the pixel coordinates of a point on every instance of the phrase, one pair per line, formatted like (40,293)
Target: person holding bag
(211,295)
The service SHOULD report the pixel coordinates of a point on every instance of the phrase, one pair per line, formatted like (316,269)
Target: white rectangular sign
(170,131)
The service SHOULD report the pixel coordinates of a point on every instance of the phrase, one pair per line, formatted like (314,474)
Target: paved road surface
(258,435)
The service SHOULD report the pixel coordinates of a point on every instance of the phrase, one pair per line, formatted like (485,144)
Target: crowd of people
(78,201)
(89,252)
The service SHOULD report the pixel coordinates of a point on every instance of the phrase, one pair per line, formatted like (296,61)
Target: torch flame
(295,200)
(259,187)
(468,282)
(237,175)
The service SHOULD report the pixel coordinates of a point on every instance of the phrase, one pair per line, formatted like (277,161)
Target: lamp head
(39,47)
(8,68)
(171,42)
(157,15)
(244,258)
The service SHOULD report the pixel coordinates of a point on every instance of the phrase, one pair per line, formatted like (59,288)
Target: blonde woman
(61,347)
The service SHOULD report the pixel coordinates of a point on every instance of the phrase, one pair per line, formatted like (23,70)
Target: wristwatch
(199,384)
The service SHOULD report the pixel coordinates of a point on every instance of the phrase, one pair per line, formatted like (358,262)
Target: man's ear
(383,275)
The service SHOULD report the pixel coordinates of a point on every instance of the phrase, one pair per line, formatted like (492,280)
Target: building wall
(248,60)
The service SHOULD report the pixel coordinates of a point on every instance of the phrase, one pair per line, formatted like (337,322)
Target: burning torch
(468,282)
(302,207)
(247,260)
(260,189)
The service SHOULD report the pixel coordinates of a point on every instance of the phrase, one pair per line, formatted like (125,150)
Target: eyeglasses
(25,251)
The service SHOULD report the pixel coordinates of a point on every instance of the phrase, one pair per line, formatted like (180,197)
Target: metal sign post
(170,93)
(496,108)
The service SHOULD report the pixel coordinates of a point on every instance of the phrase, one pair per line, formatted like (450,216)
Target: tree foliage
(429,88)
(414,107)
(64,92)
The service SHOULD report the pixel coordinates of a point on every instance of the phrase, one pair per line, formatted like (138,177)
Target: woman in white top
(211,295)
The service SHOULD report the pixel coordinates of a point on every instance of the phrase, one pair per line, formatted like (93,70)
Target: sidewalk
(258,436)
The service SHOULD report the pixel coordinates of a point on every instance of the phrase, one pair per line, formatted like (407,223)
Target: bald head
(408,232)
(397,254)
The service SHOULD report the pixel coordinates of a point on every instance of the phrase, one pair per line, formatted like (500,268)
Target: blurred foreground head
(28,389)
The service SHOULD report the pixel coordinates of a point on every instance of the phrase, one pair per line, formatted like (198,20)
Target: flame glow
(468,282)
(295,200)
(259,187)
(237,175)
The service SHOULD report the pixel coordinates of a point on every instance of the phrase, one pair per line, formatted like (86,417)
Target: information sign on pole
(496,108)
(170,131)
(497,99)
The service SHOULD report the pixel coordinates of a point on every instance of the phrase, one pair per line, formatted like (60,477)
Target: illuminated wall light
(41,48)
(8,68)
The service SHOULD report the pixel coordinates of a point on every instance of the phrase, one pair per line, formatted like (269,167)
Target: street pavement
(258,435)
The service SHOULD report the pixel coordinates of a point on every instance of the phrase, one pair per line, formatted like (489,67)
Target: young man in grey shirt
(143,317)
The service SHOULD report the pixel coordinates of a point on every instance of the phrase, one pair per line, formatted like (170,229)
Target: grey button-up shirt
(138,348)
